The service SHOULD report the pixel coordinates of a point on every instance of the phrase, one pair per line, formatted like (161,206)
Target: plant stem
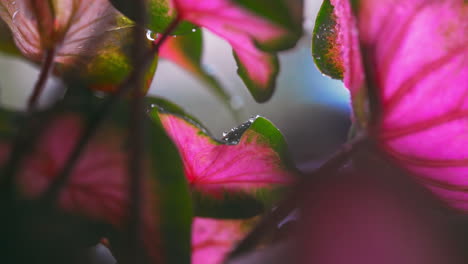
(285,207)
(136,137)
(167,32)
(46,69)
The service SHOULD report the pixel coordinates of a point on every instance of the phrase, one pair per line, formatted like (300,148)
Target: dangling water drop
(151,35)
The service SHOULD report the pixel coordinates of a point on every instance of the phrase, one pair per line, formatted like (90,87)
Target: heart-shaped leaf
(249,162)
(254,32)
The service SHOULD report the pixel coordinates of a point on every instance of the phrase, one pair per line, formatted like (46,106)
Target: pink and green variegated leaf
(186,51)
(336,52)
(97,188)
(336,42)
(249,34)
(69,26)
(160,15)
(418,54)
(90,38)
(249,163)
(213,239)
(109,63)
(325,49)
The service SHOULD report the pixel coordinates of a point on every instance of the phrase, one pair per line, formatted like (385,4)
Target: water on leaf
(233,136)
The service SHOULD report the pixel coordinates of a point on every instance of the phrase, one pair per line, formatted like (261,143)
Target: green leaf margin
(325,49)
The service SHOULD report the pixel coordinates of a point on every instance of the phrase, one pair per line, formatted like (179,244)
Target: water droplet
(175,36)
(151,35)
(234,135)
(253,118)
(194,30)
(14,15)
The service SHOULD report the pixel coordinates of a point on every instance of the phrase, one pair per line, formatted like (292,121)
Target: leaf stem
(136,135)
(158,42)
(46,69)
(285,207)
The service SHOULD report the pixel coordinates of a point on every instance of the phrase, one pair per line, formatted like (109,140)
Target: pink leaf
(248,164)
(244,31)
(417,61)
(98,186)
(70,26)
(213,239)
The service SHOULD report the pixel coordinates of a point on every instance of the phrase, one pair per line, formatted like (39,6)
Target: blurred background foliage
(310,109)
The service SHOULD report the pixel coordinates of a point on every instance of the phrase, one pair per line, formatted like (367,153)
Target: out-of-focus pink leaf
(374,216)
(72,25)
(213,239)
(90,38)
(246,32)
(98,186)
(416,59)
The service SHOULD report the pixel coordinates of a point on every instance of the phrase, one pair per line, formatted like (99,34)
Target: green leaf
(186,51)
(286,13)
(7,44)
(325,49)
(109,63)
(261,93)
(159,15)
(175,201)
(9,123)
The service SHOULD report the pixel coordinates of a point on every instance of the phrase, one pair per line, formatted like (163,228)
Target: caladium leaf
(186,51)
(213,239)
(89,38)
(159,12)
(256,31)
(325,49)
(110,63)
(253,35)
(68,26)
(416,63)
(98,186)
(248,162)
